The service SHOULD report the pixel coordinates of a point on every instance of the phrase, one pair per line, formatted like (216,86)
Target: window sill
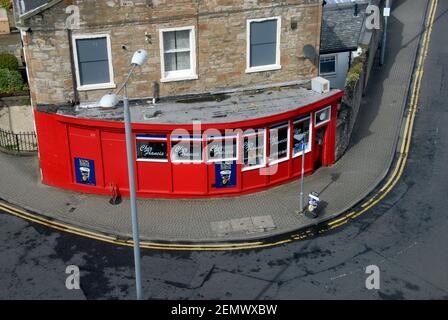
(264,68)
(254,167)
(97,87)
(180,78)
(221,160)
(327,74)
(153,160)
(296,155)
(274,162)
(318,125)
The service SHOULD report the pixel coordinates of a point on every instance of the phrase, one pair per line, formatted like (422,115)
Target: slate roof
(29,8)
(341,29)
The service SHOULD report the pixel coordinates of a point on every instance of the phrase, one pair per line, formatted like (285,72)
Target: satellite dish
(309,52)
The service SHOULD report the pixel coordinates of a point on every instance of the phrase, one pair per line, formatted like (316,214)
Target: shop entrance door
(319,147)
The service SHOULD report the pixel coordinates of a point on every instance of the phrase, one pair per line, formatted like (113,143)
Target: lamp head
(140,57)
(109,100)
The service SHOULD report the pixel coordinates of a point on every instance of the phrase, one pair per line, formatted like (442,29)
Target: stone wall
(220,27)
(351,103)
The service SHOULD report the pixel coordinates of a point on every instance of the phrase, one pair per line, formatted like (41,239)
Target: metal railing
(18,143)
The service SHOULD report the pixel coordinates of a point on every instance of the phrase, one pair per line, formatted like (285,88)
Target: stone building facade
(219,46)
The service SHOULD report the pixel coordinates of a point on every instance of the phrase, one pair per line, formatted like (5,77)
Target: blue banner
(85,171)
(225,173)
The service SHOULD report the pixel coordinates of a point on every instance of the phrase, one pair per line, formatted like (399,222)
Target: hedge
(7,4)
(8,61)
(11,81)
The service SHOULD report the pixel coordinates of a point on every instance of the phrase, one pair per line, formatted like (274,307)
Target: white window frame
(187,140)
(324,122)
(288,145)
(263,164)
(108,85)
(310,139)
(277,64)
(335,65)
(214,138)
(190,74)
(152,139)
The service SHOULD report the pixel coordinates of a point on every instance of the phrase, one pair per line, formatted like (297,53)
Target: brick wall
(220,27)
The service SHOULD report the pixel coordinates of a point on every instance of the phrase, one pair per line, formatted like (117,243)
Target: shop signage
(253,149)
(225,173)
(186,150)
(301,136)
(279,137)
(152,148)
(222,149)
(323,116)
(85,171)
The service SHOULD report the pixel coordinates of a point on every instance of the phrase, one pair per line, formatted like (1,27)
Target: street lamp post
(302,148)
(386,14)
(110,100)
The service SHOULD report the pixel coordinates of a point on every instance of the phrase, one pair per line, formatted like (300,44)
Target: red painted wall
(62,139)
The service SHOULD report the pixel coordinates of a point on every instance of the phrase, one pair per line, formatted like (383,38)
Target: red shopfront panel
(85,144)
(189,178)
(54,155)
(224,171)
(154,177)
(154,173)
(224,177)
(279,152)
(115,160)
(302,133)
(325,131)
(297,164)
(188,167)
(256,178)
(254,173)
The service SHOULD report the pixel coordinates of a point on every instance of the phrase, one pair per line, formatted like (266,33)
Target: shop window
(186,149)
(327,65)
(152,148)
(254,150)
(279,143)
(178,54)
(93,62)
(301,134)
(263,44)
(222,148)
(322,116)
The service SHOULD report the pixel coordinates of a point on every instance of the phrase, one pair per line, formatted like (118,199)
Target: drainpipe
(72,67)
(386,18)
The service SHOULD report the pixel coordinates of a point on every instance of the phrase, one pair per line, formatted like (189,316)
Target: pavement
(261,215)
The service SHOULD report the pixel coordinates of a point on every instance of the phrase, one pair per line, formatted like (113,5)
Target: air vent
(320,85)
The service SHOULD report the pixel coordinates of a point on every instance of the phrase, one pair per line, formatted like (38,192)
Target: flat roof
(219,108)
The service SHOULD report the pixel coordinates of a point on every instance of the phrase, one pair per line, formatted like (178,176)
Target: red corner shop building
(184,149)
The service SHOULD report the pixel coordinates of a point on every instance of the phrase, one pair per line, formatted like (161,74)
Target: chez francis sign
(152,148)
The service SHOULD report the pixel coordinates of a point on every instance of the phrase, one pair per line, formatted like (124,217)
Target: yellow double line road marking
(406,143)
(114,240)
(383,192)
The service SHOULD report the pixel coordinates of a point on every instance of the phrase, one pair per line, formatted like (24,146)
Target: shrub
(10,81)
(7,4)
(8,61)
